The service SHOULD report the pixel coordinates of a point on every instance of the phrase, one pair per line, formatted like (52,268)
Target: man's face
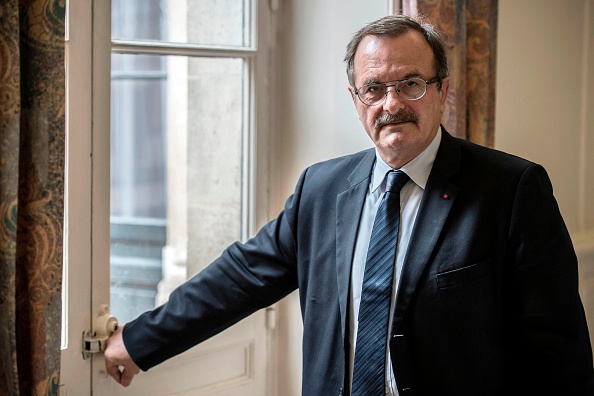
(387,59)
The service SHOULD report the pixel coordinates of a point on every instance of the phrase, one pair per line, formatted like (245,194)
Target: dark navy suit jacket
(488,302)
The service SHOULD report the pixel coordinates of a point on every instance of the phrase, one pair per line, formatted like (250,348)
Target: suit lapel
(349,205)
(438,198)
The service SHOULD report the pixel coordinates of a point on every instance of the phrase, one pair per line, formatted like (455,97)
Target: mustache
(401,116)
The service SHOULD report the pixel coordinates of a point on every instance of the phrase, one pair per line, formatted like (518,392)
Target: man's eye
(411,84)
(374,88)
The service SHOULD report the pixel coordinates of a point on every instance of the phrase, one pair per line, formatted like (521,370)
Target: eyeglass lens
(410,89)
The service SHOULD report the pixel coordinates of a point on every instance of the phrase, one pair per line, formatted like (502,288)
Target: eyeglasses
(374,94)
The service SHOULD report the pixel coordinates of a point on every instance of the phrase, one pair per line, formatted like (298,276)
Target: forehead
(393,58)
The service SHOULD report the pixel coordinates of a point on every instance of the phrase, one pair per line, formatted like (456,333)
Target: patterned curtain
(32,149)
(469,28)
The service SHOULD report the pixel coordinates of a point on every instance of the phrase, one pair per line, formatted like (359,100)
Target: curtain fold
(32,156)
(469,29)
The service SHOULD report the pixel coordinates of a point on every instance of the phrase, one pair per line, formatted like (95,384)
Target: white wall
(545,87)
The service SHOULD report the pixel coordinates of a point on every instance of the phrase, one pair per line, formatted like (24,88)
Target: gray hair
(395,26)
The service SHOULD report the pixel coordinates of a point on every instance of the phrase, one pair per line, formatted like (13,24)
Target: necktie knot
(396,179)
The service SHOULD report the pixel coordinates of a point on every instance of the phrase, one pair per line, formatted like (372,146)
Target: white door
(163,101)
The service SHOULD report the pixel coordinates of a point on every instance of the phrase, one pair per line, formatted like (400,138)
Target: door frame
(75,373)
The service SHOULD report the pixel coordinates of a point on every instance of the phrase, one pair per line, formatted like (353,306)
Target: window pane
(209,22)
(176,166)
(138,140)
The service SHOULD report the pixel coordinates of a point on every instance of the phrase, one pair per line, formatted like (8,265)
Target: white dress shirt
(410,197)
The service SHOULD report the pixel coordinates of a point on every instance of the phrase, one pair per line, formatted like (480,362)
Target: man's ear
(352,92)
(445,88)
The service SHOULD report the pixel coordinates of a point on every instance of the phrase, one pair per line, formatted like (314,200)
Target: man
(482,297)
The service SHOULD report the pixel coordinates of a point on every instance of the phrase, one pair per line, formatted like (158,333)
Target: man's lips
(398,118)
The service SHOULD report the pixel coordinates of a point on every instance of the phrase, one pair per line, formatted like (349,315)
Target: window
(180,131)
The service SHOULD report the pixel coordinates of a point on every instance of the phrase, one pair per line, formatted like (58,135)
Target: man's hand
(118,362)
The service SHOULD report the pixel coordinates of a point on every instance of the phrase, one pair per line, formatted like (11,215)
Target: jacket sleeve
(552,336)
(245,278)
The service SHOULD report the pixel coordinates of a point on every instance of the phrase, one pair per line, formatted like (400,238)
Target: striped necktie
(374,312)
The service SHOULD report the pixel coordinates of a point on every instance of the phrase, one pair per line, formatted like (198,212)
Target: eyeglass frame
(395,83)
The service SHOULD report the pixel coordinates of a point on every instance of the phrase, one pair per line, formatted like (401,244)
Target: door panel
(225,365)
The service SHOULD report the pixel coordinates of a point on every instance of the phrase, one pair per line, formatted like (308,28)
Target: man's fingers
(122,375)
(115,373)
(127,374)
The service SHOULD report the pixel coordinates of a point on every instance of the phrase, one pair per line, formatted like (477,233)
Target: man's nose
(393,102)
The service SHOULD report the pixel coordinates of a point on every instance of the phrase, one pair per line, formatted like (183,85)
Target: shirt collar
(417,169)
